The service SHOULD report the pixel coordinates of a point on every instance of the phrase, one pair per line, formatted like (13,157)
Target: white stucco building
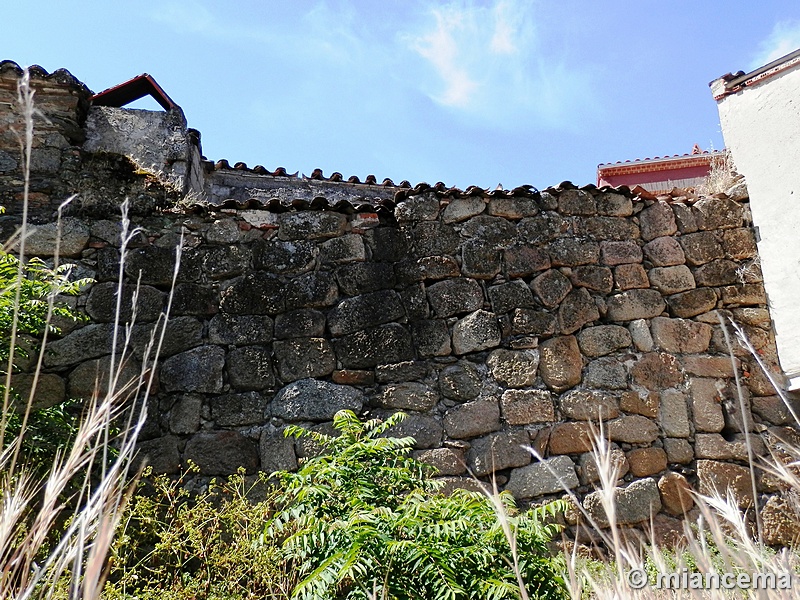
(760,117)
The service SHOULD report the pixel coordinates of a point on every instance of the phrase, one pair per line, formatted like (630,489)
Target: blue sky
(467,92)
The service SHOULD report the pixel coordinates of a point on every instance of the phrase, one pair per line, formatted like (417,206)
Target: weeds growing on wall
(721,177)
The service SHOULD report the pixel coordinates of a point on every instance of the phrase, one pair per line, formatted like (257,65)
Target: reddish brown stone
(668,531)
(657,371)
(674,414)
(716,273)
(714,446)
(551,287)
(353,377)
(720,477)
(614,205)
(739,244)
(718,213)
(701,247)
(657,220)
(781,518)
(522,261)
(589,472)
(671,280)
(576,202)
(606,228)
(521,407)
(571,438)
(472,419)
(576,310)
(561,363)
(744,294)
(631,276)
(706,407)
(645,405)
(692,302)
(678,451)
(708,366)
(773,410)
(676,493)
(647,461)
(633,429)
(595,278)
(620,253)
(446,461)
(583,405)
(664,252)
(680,335)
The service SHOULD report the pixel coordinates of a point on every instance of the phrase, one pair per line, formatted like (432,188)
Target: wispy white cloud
(489,63)
(187,17)
(784,38)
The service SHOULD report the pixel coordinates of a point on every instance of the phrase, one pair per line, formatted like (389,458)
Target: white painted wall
(761,127)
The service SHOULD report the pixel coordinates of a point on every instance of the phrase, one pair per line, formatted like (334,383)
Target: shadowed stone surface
(197,370)
(314,400)
(548,477)
(222,452)
(636,503)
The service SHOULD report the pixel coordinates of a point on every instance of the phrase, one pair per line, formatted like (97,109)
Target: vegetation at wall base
(174,545)
(363,520)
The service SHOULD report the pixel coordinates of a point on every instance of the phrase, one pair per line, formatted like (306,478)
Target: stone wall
(496,320)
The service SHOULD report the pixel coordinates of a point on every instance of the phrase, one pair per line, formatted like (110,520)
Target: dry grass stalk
(31,509)
(721,176)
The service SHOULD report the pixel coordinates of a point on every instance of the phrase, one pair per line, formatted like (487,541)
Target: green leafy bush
(48,430)
(36,284)
(363,521)
(174,545)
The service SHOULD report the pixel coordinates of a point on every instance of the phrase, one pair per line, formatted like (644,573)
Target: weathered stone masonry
(496,320)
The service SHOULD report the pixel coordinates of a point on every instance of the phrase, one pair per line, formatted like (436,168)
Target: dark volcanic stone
(239,330)
(158,264)
(277,256)
(305,322)
(360,312)
(259,293)
(194,299)
(432,238)
(222,452)
(197,370)
(314,400)
(385,344)
(311,290)
(454,296)
(362,277)
(102,303)
(250,368)
(299,358)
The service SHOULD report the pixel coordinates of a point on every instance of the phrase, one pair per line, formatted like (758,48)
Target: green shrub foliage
(49,430)
(363,520)
(36,285)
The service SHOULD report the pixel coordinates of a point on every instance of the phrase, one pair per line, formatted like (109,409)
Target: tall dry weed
(35,552)
(721,177)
